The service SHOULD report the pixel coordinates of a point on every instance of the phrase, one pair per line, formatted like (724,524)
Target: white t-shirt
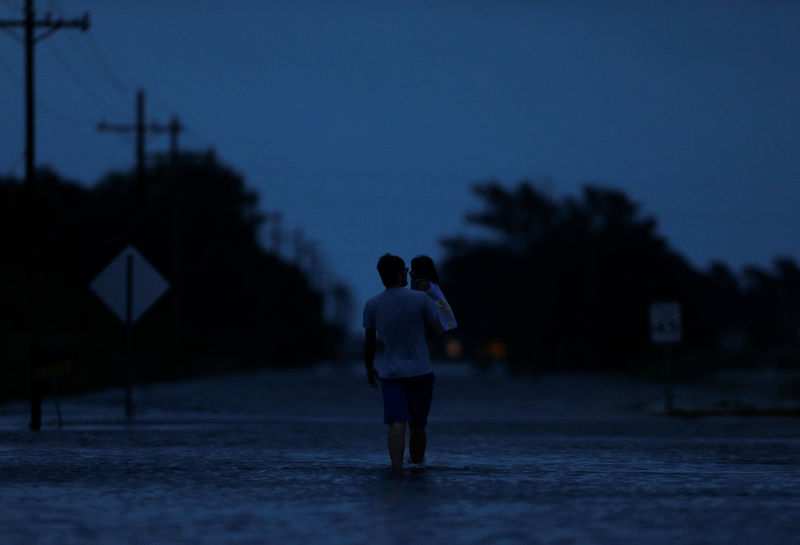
(399,316)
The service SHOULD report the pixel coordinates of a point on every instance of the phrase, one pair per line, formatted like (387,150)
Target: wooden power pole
(141,128)
(30,23)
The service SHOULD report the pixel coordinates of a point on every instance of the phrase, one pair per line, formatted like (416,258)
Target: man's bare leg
(397,444)
(417,442)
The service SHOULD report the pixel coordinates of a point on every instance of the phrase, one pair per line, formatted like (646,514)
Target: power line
(13,34)
(87,48)
(79,81)
(82,85)
(105,68)
(6,66)
(92,55)
(10,31)
(44,104)
(61,116)
(92,61)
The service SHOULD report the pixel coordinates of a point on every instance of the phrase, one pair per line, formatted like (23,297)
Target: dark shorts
(407,399)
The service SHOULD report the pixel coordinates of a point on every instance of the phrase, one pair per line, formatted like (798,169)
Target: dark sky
(367,122)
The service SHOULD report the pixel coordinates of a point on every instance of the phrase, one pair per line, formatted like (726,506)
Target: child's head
(422,267)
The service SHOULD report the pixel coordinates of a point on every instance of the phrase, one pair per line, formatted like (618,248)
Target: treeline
(567,285)
(231,305)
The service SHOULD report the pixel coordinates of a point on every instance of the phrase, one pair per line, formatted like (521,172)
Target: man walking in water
(404,319)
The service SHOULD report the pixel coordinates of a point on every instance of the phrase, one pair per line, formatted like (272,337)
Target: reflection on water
(300,458)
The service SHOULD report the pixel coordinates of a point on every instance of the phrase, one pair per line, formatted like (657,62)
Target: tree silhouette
(567,285)
(232,305)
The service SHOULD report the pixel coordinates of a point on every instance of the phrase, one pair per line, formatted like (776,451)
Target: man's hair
(388,267)
(423,267)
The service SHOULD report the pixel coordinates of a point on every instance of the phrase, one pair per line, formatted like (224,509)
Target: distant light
(453,349)
(497,350)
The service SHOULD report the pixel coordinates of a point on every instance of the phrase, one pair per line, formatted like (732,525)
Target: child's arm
(421,285)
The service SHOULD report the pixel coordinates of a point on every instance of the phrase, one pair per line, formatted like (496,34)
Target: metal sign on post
(665,323)
(147,285)
(129,285)
(666,328)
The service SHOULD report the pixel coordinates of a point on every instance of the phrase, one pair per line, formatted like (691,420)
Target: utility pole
(50,25)
(141,128)
(174,128)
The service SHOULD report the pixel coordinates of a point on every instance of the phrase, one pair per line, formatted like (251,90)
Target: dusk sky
(366,122)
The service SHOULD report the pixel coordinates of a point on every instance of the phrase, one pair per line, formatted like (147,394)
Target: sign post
(666,328)
(129,286)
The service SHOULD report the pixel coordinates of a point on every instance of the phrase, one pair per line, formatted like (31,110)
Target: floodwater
(300,457)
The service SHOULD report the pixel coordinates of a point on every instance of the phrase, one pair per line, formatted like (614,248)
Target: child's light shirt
(443,310)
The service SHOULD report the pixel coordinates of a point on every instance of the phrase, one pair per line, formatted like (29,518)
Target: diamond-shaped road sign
(146,284)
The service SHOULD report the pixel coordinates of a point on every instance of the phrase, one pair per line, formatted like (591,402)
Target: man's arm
(370,343)
(433,329)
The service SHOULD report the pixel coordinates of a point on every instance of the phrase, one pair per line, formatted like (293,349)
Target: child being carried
(424,278)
